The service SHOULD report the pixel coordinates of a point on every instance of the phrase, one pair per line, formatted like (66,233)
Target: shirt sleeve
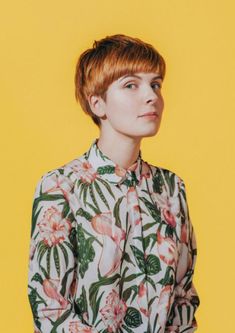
(52,279)
(182,314)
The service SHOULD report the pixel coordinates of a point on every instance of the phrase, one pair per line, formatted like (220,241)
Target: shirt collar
(109,170)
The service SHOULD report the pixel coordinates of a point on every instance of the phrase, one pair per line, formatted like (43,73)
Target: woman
(112,245)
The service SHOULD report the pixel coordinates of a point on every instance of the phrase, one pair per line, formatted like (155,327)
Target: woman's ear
(97,104)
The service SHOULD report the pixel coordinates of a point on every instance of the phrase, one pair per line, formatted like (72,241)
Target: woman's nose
(151,96)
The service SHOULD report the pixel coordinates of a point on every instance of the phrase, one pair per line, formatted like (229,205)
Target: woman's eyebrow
(137,76)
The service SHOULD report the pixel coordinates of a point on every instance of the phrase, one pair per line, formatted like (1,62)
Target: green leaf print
(35,299)
(56,260)
(153,265)
(147,239)
(127,258)
(94,290)
(86,251)
(132,277)
(48,260)
(121,281)
(127,293)
(153,209)
(37,277)
(42,248)
(116,212)
(93,197)
(149,225)
(170,179)
(82,302)
(66,209)
(139,257)
(168,278)
(133,317)
(44,272)
(60,320)
(82,189)
(107,186)
(83,213)
(99,191)
(170,231)
(157,182)
(151,301)
(65,253)
(127,329)
(64,281)
(148,279)
(107,169)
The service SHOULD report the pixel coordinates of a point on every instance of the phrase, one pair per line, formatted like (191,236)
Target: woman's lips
(150,115)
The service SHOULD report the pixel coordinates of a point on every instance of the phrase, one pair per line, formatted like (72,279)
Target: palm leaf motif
(133,317)
(45,249)
(158,182)
(139,257)
(95,191)
(116,212)
(81,302)
(170,179)
(153,209)
(86,253)
(128,291)
(94,290)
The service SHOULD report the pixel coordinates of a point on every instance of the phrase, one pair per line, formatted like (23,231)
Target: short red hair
(109,59)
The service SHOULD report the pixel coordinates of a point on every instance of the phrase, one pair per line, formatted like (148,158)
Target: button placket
(136,239)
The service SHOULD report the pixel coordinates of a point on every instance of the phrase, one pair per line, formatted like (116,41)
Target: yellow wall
(43,126)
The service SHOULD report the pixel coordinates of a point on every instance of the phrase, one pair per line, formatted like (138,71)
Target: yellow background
(42,126)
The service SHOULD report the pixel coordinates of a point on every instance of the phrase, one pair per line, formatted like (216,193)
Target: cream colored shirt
(111,250)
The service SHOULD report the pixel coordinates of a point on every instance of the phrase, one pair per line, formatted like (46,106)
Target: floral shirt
(112,250)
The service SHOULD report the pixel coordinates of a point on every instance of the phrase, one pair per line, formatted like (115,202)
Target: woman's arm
(52,279)
(182,315)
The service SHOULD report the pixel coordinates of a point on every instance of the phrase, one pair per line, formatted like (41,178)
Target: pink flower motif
(78,327)
(184,263)
(167,249)
(53,228)
(113,312)
(164,304)
(183,236)
(51,289)
(142,290)
(111,253)
(59,183)
(85,171)
(145,172)
(104,225)
(169,205)
(184,297)
(172,329)
(52,314)
(133,207)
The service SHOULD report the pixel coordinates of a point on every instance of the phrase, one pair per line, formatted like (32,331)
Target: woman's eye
(129,84)
(157,84)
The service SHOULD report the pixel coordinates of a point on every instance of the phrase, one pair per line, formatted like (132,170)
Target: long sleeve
(52,279)
(182,314)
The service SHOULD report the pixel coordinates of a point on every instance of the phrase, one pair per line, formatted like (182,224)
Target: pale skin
(124,122)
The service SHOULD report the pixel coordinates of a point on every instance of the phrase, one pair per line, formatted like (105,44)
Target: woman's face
(128,100)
